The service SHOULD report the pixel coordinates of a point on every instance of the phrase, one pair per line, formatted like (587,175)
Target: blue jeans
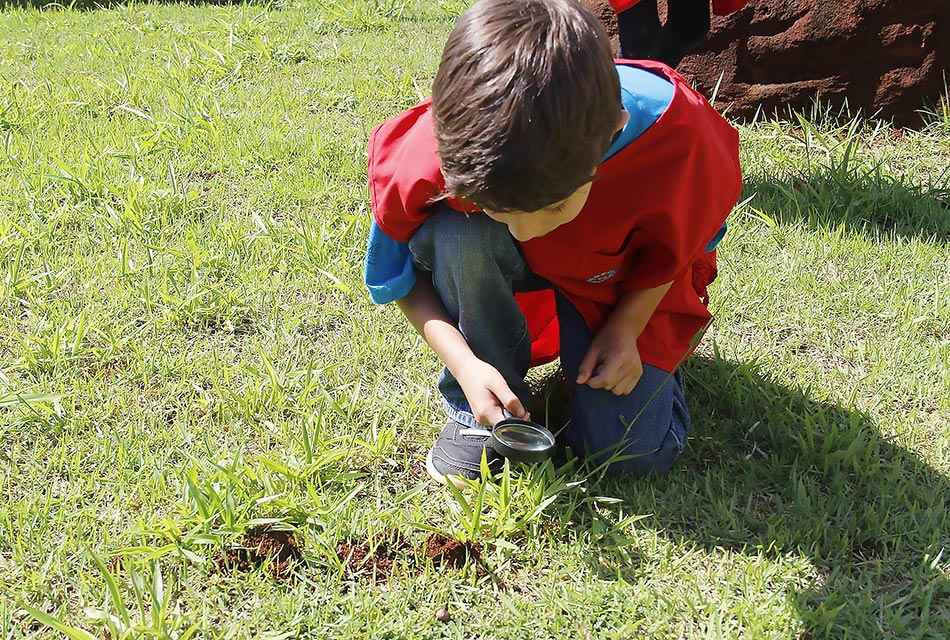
(476,267)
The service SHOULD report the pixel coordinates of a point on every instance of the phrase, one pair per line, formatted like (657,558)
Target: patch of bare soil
(262,545)
(376,559)
(447,552)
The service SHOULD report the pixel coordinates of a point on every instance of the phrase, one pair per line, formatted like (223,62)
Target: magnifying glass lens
(524,437)
(522,441)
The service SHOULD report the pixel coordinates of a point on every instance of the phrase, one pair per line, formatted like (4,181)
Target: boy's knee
(650,443)
(470,244)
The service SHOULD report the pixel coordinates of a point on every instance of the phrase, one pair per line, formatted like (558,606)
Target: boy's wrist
(635,308)
(459,358)
(629,317)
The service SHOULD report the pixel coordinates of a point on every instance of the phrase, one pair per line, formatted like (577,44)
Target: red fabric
(622,5)
(652,210)
(719,7)
(405,177)
(725,7)
(540,313)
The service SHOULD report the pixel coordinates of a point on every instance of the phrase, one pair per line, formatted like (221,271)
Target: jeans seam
(420,263)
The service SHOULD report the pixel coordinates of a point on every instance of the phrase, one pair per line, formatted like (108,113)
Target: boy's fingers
(490,413)
(599,382)
(607,377)
(586,369)
(624,389)
(621,384)
(494,417)
(514,406)
(630,386)
(506,400)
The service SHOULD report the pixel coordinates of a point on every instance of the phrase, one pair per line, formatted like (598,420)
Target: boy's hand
(612,362)
(488,393)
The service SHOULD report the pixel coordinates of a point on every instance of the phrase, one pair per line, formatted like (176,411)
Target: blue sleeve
(719,236)
(645,96)
(388,274)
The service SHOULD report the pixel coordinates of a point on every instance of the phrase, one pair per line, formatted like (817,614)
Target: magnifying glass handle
(509,415)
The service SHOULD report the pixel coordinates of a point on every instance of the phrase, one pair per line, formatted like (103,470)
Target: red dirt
(447,552)
(376,559)
(260,545)
(373,560)
(776,54)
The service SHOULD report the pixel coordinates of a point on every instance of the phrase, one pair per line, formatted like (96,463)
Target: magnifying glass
(522,440)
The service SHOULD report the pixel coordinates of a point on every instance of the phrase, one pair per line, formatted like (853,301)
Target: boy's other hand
(612,362)
(488,393)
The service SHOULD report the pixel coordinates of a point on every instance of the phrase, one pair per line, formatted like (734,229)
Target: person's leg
(474,264)
(687,23)
(638,29)
(646,429)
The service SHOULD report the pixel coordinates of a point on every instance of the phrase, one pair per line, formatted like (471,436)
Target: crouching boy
(551,201)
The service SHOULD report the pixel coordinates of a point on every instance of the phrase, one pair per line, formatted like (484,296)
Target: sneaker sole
(457,481)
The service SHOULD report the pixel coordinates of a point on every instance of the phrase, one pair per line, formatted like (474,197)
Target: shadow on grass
(772,473)
(860,198)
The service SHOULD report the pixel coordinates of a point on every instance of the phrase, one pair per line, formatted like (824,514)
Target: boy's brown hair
(525,102)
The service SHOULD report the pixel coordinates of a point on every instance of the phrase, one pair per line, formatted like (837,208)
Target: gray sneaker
(458,453)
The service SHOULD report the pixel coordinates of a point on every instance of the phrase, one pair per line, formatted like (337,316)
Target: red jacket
(652,211)
(720,7)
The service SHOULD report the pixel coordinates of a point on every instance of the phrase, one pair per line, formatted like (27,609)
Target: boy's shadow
(773,473)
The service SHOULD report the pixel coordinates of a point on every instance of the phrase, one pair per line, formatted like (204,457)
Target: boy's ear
(624,119)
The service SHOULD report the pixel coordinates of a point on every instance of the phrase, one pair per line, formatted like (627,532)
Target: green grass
(186,351)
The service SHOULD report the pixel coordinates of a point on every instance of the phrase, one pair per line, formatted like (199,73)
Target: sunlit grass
(187,352)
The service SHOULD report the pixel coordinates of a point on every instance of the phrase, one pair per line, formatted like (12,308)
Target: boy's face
(526,225)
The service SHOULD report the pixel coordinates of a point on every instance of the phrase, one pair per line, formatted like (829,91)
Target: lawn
(190,366)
